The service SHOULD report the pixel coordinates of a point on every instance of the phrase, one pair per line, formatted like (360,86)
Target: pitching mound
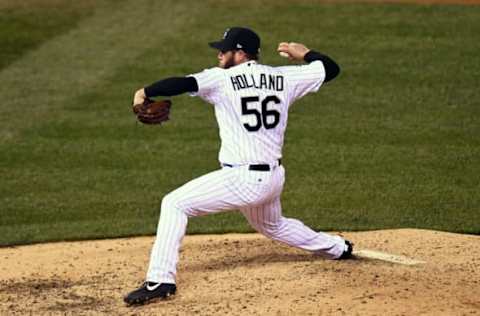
(249,275)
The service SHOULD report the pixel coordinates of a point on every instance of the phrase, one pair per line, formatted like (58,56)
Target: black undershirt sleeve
(171,86)
(331,68)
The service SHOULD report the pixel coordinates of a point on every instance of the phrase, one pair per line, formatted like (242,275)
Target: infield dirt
(247,274)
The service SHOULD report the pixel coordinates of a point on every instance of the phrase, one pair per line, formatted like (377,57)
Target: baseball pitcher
(251,103)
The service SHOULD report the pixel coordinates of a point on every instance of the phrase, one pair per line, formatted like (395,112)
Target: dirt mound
(248,275)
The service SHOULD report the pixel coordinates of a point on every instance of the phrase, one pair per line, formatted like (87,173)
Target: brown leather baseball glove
(152,112)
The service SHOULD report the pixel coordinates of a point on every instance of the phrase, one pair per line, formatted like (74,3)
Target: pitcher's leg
(170,231)
(267,219)
(210,193)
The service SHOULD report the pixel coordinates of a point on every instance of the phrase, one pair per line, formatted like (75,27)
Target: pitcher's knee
(273,230)
(175,203)
(170,203)
(270,230)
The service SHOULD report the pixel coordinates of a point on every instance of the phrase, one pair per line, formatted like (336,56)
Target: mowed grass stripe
(61,161)
(25,25)
(50,78)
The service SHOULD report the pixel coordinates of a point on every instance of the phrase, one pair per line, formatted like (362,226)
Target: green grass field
(393,142)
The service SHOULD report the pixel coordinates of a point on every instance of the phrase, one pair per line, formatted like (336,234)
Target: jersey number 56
(262,117)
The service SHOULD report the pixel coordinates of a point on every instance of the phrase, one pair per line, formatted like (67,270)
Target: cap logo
(239,46)
(226,33)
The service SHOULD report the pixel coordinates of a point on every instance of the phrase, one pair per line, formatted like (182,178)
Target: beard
(229,62)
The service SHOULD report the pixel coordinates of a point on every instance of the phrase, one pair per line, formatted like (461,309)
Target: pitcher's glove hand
(152,112)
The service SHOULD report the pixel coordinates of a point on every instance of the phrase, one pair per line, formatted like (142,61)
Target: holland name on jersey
(261,81)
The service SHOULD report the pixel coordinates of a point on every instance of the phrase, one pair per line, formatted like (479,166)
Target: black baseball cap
(238,38)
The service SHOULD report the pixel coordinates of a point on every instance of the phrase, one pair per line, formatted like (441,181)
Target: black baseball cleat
(150,291)
(347,253)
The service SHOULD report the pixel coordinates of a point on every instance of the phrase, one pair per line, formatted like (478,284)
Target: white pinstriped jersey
(251,106)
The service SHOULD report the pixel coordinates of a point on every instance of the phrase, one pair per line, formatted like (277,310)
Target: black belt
(260,167)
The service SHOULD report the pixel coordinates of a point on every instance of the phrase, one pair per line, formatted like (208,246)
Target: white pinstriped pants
(255,193)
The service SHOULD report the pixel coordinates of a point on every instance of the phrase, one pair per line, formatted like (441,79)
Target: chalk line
(371,254)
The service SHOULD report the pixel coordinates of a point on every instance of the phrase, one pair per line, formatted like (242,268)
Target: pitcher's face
(226,59)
